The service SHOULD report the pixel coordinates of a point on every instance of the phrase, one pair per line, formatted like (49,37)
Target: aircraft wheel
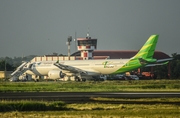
(77,79)
(83,79)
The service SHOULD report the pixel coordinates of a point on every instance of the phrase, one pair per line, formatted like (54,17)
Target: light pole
(69,43)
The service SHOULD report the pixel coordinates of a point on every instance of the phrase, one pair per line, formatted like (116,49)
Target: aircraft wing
(69,68)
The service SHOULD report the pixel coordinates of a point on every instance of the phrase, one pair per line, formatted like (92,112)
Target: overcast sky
(39,27)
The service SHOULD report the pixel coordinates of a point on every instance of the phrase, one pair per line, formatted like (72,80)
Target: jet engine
(55,74)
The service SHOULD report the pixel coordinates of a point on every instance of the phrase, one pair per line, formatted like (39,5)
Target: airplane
(83,68)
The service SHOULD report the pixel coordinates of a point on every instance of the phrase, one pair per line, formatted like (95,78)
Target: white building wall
(52,58)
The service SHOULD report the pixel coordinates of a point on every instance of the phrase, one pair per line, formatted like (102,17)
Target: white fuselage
(93,67)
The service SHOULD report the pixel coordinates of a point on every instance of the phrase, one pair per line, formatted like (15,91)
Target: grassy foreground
(121,113)
(58,109)
(89,110)
(91,86)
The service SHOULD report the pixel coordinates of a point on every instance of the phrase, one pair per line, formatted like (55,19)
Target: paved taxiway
(77,97)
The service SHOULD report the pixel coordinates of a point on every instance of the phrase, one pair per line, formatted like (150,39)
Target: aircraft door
(31,66)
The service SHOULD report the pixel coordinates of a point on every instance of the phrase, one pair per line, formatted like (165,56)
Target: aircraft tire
(77,79)
(83,79)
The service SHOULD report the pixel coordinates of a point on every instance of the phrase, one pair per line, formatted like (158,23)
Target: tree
(175,66)
(162,71)
(5,66)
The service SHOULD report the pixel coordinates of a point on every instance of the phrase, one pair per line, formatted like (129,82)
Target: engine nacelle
(55,74)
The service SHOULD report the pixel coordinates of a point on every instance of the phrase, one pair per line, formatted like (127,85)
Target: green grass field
(91,86)
(58,109)
(91,110)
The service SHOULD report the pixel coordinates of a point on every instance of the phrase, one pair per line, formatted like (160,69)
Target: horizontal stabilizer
(164,60)
(157,64)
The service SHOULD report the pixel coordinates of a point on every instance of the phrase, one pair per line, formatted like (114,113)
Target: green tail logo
(143,57)
(147,51)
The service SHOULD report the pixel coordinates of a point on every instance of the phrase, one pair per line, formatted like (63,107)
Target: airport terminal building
(119,54)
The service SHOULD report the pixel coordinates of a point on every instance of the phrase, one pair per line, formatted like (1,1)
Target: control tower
(86,46)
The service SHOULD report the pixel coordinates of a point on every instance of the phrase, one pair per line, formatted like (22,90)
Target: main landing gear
(78,79)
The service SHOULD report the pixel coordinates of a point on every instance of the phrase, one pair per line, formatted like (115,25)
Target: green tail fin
(147,51)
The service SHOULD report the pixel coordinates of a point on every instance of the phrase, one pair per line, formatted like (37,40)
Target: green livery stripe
(131,65)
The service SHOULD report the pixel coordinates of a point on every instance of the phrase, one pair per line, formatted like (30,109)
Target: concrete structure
(52,58)
(98,54)
(5,74)
(86,46)
(120,54)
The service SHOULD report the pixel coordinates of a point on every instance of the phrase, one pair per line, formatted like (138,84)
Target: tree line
(10,64)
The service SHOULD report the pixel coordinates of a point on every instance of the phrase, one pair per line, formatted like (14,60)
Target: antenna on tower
(88,33)
(75,42)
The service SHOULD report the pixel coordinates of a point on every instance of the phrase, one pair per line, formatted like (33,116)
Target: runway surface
(84,97)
